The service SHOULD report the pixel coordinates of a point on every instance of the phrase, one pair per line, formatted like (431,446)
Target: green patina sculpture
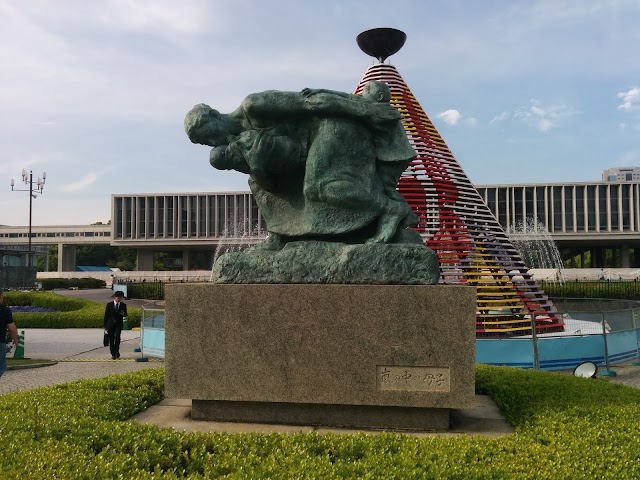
(323,167)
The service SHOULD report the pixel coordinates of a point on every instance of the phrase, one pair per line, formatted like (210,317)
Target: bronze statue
(323,165)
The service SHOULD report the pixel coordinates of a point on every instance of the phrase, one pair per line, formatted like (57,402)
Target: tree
(53,260)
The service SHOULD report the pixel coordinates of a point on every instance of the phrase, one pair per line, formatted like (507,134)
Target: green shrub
(593,289)
(53,283)
(566,427)
(70,312)
(146,290)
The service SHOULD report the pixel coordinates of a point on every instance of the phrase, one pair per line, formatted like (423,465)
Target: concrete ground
(79,354)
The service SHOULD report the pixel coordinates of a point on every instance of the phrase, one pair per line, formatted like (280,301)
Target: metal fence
(153,288)
(152,331)
(18,277)
(603,331)
(147,290)
(619,289)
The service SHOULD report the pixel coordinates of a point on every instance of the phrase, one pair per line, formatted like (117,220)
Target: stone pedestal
(362,356)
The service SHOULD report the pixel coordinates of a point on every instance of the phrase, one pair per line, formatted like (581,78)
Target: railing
(18,277)
(152,288)
(603,331)
(145,290)
(152,332)
(617,289)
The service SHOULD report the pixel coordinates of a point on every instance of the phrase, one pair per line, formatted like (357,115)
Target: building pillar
(144,260)
(185,260)
(624,257)
(66,258)
(46,260)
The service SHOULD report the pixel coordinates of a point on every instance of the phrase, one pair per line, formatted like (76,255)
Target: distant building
(621,174)
(593,224)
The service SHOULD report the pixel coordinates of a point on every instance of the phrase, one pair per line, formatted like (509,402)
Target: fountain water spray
(535,245)
(235,238)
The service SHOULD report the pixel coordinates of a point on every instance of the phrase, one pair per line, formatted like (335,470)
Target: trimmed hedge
(71,312)
(593,289)
(629,290)
(146,290)
(566,427)
(53,283)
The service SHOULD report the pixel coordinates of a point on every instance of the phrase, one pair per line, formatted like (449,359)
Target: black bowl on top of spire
(381,43)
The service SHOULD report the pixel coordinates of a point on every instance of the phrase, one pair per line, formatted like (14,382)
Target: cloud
(450,117)
(544,118)
(500,118)
(544,12)
(82,184)
(630,99)
(631,157)
(186,18)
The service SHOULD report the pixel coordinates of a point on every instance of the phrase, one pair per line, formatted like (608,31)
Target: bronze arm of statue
(272,105)
(207,126)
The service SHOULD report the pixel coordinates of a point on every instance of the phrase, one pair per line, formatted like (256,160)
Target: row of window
(187,216)
(559,208)
(623,177)
(54,234)
(567,208)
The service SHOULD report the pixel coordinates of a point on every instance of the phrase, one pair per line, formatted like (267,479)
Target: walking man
(114,314)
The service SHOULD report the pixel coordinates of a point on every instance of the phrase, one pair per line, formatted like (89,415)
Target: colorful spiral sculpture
(470,244)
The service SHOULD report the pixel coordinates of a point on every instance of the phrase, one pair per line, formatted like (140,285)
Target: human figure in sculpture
(397,212)
(323,164)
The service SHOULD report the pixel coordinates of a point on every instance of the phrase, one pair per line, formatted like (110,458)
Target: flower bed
(62,312)
(31,309)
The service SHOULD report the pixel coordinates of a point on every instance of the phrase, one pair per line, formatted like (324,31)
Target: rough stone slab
(331,262)
(361,416)
(353,345)
(483,419)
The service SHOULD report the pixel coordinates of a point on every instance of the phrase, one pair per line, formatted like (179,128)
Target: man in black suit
(114,314)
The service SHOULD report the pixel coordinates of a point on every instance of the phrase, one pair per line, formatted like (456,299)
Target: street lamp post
(27,178)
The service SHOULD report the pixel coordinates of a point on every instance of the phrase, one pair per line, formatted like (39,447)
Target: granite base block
(370,356)
(314,414)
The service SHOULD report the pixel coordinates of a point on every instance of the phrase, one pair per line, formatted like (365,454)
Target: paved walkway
(627,374)
(79,353)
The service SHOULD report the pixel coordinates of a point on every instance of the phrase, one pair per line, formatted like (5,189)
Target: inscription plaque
(414,379)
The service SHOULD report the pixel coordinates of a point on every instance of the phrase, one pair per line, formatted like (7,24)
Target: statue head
(376,91)
(207,126)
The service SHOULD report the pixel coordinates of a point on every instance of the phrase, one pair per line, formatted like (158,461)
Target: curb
(32,365)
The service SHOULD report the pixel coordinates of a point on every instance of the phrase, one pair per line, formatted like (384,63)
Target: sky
(94,93)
